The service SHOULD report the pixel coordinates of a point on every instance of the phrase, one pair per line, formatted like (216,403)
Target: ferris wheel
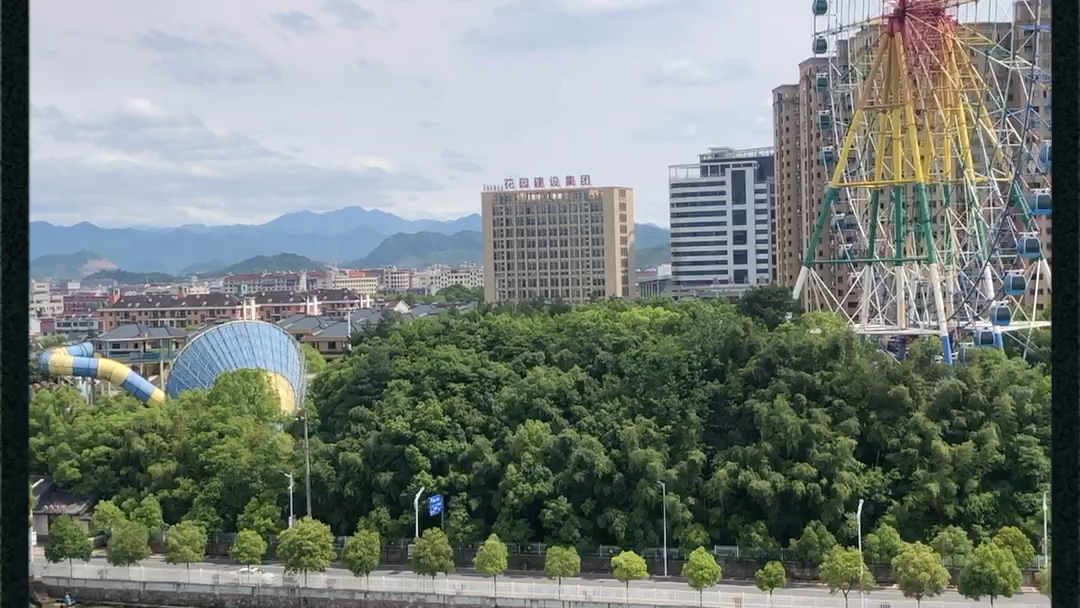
(934,124)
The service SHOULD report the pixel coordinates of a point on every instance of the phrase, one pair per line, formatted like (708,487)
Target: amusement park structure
(937,206)
(242,344)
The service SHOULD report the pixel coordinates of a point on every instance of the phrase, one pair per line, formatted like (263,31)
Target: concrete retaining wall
(241,596)
(733,569)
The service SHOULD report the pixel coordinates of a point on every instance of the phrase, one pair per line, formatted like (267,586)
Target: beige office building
(572,244)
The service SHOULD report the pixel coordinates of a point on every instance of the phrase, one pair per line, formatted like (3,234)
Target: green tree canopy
(128,544)
(186,543)
(771,576)
(844,570)
(628,566)
(1045,580)
(262,515)
(316,363)
(306,547)
(953,544)
(990,571)
(1013,539)
(68,541)
(701,571)
(560,563)
(491,559)
(883,544)
(362,552)
(432,554)
(203,455)
(919,572)
(106,515)
(814,544)
(770,305)
(552,423)
(249,548)
(148,513)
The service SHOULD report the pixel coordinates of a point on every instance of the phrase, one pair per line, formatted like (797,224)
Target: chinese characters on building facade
(524,183)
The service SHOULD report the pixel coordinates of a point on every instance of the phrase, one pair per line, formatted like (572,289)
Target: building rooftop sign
(539,183)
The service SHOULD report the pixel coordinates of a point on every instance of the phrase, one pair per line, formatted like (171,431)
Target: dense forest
(558,423)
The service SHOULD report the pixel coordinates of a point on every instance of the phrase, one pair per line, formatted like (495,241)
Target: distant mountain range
(351,237)
(76,265)
(425,249)
(345,234)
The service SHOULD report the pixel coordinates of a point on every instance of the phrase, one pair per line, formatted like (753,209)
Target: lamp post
(307,463)
(663,488)
(858,527)
(1046,534)
(289,475)
(416,511)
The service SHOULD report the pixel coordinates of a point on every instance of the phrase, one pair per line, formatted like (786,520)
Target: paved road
(803,593)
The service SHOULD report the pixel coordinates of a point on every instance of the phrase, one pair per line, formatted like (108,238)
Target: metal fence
(732,552)
(639,593)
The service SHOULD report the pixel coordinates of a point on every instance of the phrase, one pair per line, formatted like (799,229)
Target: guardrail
(638,593)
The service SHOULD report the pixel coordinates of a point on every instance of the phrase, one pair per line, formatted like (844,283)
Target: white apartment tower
(722,225)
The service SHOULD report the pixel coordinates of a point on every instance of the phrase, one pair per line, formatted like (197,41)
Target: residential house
(148,350)
(52,501)
(197,310)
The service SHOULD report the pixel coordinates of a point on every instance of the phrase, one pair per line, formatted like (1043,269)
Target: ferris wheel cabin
(1029,247)
(1041,203)
(1014,284)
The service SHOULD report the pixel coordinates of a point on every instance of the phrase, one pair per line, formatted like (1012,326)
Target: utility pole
(416,511)
(858,525)
(291,516)
(1046,533)
(663,487)
(307,465)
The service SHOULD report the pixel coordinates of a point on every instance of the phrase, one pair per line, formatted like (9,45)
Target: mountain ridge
(349,233)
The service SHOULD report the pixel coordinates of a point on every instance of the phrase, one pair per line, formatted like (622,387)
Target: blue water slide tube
(79,361)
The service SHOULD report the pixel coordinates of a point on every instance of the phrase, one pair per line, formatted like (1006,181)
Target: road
(528,584)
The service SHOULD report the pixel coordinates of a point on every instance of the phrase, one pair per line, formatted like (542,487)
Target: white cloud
(203,110)
(143,161)
(296,22)
(683,72)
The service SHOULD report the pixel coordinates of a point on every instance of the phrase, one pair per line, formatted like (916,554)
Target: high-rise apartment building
(572,243)
(722,221)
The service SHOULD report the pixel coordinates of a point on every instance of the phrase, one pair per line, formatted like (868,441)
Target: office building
(573,244)
(721,222)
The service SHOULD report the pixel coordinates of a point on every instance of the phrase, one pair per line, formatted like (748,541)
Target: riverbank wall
(193,595)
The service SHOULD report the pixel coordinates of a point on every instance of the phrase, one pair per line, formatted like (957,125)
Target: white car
(255,574)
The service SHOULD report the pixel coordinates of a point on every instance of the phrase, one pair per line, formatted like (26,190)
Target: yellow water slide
(79,361)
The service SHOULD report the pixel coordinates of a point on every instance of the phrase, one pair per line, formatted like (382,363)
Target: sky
(237,111)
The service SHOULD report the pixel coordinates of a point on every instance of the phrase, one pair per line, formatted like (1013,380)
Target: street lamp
(663,487)
(1046,535)
(307,463)
(416,511)
(289,475)
(858,526)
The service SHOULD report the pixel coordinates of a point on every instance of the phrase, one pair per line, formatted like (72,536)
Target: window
(740,277)
(738,237)
(738,187)
(739,256)
(738,217)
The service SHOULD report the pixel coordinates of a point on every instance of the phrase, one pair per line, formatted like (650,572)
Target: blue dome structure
(242,345)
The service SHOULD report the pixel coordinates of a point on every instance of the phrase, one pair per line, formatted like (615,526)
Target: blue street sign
(434,505)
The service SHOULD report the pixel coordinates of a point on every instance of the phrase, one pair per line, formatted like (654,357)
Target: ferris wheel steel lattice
(934,118)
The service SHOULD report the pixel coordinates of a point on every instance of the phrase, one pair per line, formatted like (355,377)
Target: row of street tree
(992,569)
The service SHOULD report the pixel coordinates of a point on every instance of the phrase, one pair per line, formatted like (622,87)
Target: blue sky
(236,111)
